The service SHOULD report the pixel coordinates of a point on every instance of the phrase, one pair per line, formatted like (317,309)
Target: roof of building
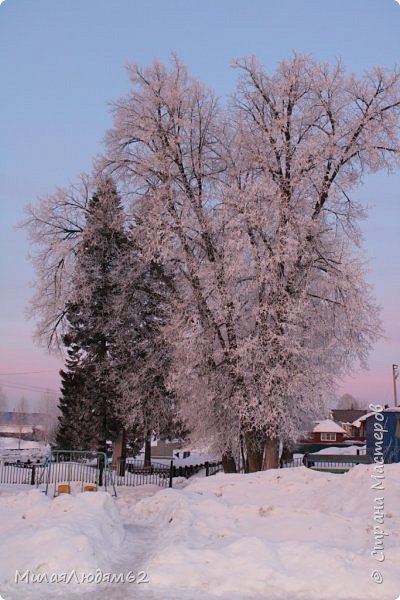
(328,426)
(357,423)
(347,415)
(21,418)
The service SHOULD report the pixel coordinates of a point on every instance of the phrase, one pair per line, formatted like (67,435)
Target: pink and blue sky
(61,62)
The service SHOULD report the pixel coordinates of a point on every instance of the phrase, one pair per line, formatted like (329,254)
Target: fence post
(171,468)
(207,465)
(33,475)
(101,467)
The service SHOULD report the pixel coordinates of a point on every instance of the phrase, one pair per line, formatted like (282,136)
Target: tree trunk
(228,462)
(243,456)
(147,450)
(271,457)
(254,452)
(119,453)
(286,456)
(101,467)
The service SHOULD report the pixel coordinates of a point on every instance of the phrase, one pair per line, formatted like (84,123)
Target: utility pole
(395,371)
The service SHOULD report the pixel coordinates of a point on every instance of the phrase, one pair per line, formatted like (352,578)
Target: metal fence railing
(135,472)
(19,472)
(335,463)
(293,462)
(188,470)
(72,471)
(131,472)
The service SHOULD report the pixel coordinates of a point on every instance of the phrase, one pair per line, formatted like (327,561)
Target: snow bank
(290,533)
(341,450)
(45,535)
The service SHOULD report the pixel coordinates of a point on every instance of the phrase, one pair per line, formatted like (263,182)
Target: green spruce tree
(89,396)
(117,362)
(76,426)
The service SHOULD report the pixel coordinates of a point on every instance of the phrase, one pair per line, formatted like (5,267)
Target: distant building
(324,434)
(328,431)
(164,448)
(350,420)
(25,426)
(345,427)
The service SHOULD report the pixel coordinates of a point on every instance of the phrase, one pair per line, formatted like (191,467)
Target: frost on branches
(251,208)
(55,225)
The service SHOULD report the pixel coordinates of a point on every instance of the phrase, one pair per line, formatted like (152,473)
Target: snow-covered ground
(44,534)
(28,449)
(12,443)
(289,534)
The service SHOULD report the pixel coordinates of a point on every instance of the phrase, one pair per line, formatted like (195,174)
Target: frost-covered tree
(21,410)
(348,402)
(3,400)
(48,403)
(54,225)
(307,136)
(251,209)
(165,147)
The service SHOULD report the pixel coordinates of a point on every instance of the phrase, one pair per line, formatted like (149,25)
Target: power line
(26,387)
(26,372)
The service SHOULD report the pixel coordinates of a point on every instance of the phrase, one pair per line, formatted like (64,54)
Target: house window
(328,437)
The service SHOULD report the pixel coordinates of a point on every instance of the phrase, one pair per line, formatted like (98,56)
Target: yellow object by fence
(90,487)
(64,488)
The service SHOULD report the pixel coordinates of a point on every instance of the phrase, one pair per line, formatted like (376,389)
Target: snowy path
(138,542)
(138,546)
